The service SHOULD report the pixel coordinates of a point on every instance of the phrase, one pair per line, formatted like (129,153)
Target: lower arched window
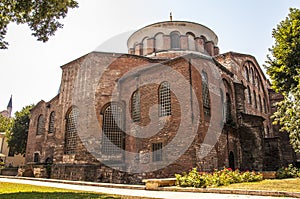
(71,131)
(205,93)
(40,125)
(113,135)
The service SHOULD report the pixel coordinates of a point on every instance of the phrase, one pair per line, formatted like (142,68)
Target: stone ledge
(153,184)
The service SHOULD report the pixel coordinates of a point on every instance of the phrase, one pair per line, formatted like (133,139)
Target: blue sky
(30,70)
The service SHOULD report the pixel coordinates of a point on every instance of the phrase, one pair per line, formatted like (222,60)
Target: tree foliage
(17,137)
(283,67)
(5,124)
(42,16)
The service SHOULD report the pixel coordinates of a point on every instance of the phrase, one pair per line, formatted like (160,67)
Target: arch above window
(164,97)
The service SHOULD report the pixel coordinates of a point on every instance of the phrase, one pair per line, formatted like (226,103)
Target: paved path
(132,192)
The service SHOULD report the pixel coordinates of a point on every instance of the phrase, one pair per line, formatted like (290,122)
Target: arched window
(255,100)
(113,124)
(145,46)
(252,76)
(191,41)
(265,105)
(40,125)
(205,93)
(135,106)
(71,135)
(247,74)
(249,95)
(223,105)
(228,108)
(159,42)
(175,40)
(260,103)
(164,96)
(51,122)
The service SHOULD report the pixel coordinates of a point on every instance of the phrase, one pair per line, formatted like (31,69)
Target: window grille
(71,131)
(205,93)
(113,123)
(40,125)
(164,99)
(51,122)
(135,106)
(157,152)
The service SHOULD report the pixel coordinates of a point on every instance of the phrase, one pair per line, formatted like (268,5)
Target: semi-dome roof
(173,35)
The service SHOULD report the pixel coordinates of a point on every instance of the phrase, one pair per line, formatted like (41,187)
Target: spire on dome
(171,17)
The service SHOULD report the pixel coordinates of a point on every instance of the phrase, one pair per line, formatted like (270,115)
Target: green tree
(283,67)
(5,124)
(42,16)
(17,137)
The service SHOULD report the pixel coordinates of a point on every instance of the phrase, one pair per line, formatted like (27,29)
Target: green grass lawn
(23,191)
(290,185)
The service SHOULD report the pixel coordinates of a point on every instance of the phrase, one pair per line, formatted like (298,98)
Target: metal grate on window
(71,131)
(205,93)
(135,106)
(113,123)
(164,99)
(51,122)
(157,152)
(40,125)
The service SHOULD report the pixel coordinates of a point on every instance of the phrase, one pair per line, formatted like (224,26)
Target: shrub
(288,172)
(216,178)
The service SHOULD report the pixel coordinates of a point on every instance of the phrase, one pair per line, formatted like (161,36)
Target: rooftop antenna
(171,17)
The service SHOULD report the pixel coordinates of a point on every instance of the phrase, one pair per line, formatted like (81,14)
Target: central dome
(173,36)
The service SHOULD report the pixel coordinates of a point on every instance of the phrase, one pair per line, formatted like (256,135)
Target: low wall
(9,171)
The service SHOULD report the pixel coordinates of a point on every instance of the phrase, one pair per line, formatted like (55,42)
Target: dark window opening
(36,157)
(228,108)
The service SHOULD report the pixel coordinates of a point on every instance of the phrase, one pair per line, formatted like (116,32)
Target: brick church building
(172,103)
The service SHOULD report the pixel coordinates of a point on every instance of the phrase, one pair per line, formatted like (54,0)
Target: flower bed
(217,178)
